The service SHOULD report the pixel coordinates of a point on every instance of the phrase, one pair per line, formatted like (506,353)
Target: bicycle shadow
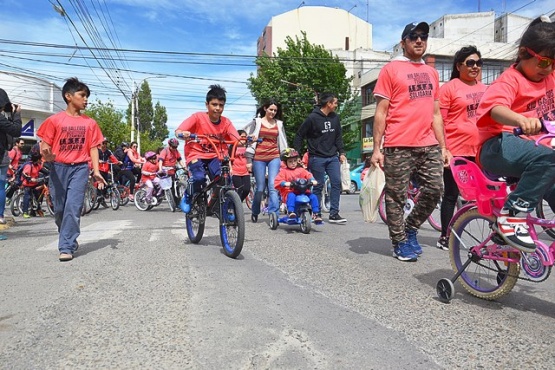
(521,298)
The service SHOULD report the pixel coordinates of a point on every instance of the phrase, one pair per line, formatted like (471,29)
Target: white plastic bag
(345,176)
(369,197)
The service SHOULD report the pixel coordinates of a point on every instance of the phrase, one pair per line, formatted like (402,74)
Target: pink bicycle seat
(476,187)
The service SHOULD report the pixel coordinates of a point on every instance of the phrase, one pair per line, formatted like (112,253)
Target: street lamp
(135,111)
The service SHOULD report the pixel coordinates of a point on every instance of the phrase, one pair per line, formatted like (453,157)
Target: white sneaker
(513,228)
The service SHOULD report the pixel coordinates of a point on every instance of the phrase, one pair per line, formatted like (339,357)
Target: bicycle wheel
(435,217)
(485,278)
(169,198)
(232,224)
(381,207)
(306,222)
(250,198)
(544,211)
(124,195)
(140,200)
(17,204)
(115,197)
(49,204)
(195,219)
(325,203)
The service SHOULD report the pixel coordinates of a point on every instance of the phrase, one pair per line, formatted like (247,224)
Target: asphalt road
(139,295)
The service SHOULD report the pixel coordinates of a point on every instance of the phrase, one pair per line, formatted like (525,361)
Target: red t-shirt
(15,157)
(71,137)
(148,171)
(286,174)
(200,124)
(513,90)
(239,166)
(30,171)
(169,158)
(458,103)
(412,89)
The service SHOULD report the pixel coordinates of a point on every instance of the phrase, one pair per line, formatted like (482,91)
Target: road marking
(95,232)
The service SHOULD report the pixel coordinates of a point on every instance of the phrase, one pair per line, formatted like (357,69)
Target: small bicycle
(161,191)
(219,199)
(489,268)
(35,202)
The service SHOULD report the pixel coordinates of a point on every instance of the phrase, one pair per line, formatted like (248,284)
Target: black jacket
(10,125)
(323,134)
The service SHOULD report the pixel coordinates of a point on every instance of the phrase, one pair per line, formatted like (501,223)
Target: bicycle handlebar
(548,130)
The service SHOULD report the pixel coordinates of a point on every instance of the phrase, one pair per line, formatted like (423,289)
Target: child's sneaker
(514,230)
(292,215)
(26,215)
(443,243)
(411,240)
(184,205)
(403,252)
(318,219)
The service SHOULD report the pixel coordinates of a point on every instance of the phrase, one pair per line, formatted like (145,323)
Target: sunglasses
(414,36)
(471,63)
(543,62)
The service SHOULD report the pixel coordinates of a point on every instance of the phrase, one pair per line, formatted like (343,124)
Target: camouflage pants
(427,166)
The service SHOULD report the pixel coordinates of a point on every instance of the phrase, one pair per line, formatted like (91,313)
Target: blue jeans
(314,204)
(509,155)
(259,170)
(67,187)
(3,179)
(319,166)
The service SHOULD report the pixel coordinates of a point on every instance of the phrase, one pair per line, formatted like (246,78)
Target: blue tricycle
(303,210)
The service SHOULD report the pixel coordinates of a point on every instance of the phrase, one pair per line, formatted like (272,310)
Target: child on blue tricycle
(294,184)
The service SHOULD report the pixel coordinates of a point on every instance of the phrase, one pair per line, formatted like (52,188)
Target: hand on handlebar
(529,126)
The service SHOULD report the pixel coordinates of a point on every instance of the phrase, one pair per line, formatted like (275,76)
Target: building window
(492,70)
(368,94)
(444,68)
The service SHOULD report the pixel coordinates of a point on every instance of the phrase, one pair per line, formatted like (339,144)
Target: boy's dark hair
(73,85)
(538,37)
(460,56)
(326,98)
(216,92)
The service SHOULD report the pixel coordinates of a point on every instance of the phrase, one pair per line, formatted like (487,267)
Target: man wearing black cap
(408,124)
(10,127)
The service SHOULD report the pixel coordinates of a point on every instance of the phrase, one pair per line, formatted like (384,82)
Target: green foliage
(295,75)
(159,128)
(110,121)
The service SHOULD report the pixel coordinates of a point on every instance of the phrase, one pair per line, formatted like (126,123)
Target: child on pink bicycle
(148,172)
(520,97)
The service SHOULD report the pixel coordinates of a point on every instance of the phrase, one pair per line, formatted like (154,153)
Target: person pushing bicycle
(201,157)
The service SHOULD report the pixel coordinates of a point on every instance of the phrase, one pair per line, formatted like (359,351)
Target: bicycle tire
(544,211)
(140,200)
(485,279)
(434,219)
(17,204)
(249,198)
(195,219)
(115,198)
(325,203)
(232,224)
(381,207)
(124,194)
(306,222)
(170,199)
(49,204)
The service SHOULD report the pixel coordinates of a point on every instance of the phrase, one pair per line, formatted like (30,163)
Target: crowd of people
(418,128)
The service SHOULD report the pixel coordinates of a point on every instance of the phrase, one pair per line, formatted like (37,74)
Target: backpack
(18,175)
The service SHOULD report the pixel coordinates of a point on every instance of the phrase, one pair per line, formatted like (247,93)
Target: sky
(183,46)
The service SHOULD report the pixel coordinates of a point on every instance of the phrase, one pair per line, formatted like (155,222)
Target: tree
(110,121)
(159,128)
(296,75)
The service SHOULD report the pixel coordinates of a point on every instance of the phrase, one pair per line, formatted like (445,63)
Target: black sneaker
(443,243)
(337,219)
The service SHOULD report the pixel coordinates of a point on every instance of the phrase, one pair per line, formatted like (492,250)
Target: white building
(38,98)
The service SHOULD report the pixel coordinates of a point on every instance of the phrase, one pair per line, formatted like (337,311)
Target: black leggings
(127,174)
(450,197)
(242,185)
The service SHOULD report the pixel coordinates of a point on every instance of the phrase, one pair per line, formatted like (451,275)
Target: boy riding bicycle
(287,176)
(202,157)
(31,180)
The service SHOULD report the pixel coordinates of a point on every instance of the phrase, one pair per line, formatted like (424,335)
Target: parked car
(356,184)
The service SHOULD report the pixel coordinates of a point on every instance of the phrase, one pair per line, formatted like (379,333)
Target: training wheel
(445,290)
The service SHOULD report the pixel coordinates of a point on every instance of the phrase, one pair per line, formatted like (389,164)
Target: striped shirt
(268,148)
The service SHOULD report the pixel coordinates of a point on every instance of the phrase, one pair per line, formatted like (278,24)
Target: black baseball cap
(423,26)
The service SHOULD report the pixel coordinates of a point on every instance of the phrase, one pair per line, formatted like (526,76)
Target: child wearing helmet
(289,174)
(148,172)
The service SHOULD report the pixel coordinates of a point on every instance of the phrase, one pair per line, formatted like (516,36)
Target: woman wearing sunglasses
(520,97)
(458,101)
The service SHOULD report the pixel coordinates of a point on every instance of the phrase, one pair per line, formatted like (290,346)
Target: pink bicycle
(489,268)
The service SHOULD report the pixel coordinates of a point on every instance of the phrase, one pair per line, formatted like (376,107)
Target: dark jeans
(509,155)
(319,166)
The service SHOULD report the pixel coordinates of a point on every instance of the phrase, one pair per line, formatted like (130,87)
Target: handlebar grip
(180,136)
(517,131)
